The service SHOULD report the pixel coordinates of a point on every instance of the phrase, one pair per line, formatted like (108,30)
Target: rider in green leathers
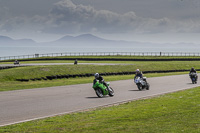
(100,78)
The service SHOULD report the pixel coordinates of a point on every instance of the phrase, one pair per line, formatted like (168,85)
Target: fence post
(36,55)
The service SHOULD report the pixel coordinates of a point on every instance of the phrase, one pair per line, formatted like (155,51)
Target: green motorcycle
(101,90)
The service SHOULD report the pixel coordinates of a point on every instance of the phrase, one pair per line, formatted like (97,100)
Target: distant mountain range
(87,39)
(9,41)
(83,40)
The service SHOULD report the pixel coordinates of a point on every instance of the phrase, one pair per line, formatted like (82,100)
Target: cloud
(4,12)
(68,18)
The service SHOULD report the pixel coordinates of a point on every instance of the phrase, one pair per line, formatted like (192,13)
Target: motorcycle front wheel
(139,86)
(99,93)
(111,91)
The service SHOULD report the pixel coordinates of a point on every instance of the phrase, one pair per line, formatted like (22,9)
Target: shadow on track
(97,97)
(91,97)
(190,83)
(134,90)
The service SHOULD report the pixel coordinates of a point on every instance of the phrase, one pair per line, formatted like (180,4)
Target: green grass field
(64,58)
(171,113)
(8,76)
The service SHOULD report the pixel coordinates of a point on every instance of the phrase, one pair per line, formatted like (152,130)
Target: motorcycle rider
(100,78)
(192,70)
(138,73)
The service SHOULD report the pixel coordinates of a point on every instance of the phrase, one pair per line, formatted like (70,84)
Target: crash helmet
(96,75)
(137,70)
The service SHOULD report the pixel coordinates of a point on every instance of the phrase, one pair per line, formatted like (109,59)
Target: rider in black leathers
(192,70)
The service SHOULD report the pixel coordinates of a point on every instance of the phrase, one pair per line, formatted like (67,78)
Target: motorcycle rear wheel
(193,81)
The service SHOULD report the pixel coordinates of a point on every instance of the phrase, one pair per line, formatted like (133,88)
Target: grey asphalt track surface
(25,105)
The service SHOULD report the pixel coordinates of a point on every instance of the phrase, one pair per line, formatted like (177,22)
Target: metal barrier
(100,54)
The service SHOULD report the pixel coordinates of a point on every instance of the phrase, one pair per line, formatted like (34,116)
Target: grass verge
(8,76)
(16,85)
(176,112)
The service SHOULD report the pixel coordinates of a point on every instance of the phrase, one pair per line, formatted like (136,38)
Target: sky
(159,21)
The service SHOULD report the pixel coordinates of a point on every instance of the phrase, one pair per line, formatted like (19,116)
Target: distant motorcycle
(141,83)
(101,90)
(193,77)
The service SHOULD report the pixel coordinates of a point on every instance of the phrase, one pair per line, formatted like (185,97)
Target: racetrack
(46,64)
(25,105)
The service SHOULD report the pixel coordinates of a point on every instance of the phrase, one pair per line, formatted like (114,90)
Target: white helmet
(96,75)
(137,70)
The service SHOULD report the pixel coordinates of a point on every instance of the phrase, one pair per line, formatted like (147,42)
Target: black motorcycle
(193,77)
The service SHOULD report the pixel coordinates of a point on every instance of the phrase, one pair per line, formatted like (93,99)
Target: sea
(30,50)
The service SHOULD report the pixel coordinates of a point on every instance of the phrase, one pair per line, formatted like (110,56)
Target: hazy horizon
(156,21)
